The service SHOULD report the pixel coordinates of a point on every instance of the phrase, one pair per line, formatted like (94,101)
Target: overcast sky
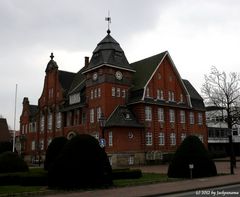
(197,34)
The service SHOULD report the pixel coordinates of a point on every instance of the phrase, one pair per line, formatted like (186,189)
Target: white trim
(174,67)
(108,65)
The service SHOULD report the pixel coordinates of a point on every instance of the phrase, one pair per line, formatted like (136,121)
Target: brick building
(149,109)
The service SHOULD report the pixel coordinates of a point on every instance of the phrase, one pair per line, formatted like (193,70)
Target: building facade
(149,109)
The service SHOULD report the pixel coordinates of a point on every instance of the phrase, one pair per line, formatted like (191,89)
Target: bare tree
(223,91)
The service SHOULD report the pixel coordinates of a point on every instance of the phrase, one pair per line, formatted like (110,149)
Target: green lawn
(147,178)
(14,189)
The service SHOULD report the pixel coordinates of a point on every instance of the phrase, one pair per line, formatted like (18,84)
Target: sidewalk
(164,188)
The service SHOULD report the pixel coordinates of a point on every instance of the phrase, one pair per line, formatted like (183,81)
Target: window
(201,138)
(161,95)
(110,138)
(124,93)
(161,139)
(172,115)
(50,121)
(83,117)
(181,98)
(182,116)
(42,123)
(183,136)
(148,138)
(171,96)
(160,114)
(91,94)
(118,92)
(147,92)
(74,98)
(148,113)
(33,145)
(191,117)
(58,120)
(69,118)
(41,145)
(158,94)
(113,91)
(110,160)
(76,117)
(49,141)
(172,139)
(99,92)
(99,112)
(131,160)
(50,93)
(95,93)
(91,115)
(200,118)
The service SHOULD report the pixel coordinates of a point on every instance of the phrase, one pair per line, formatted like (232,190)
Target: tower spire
(108,19)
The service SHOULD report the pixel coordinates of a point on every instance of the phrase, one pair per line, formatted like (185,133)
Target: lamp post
(102,122)
(231,151)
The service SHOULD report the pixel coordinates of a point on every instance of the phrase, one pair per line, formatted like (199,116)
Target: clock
(119,75)
(95,76)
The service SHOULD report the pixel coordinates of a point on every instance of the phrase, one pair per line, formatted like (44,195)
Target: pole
(231,153)
(14,125)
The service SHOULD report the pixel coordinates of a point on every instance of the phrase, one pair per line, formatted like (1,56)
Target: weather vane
(108,19)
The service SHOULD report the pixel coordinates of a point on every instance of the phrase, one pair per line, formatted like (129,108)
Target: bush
(82,163)
(126,174)
(5,146)
(53,151)
(191,151)
(11,162)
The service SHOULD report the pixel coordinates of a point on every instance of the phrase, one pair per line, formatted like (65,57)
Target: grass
(14,189)
(147,178)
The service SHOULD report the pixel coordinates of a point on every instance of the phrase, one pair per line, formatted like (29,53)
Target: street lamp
(232,158)
(102,122)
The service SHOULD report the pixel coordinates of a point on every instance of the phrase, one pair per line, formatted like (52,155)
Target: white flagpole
(14,125)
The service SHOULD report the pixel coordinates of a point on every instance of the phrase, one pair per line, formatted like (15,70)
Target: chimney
(86,61)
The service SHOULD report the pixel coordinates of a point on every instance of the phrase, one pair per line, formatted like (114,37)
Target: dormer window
(74,98)
(147,92)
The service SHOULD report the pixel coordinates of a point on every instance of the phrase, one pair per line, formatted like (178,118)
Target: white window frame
(92,115)
(161,139)
(182,116)
(58,120)
(191,118)
(42,123)
(148,138)
(99,92)
(110,138)
(50,121)
(91,94)
(33,145)
(173,139)
(113,91)
(131,160)
(123,93)
(160,114)
(172,115)
(118,93)
(99,113)
(148,113)
(147,92)
(200,118)
(95,93)
(183,136)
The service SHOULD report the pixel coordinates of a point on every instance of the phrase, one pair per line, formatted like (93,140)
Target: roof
(144,69)
(4,132)
(77,83)
(108,52)
(66,79)
(33,109)
(122,117)
(196,99)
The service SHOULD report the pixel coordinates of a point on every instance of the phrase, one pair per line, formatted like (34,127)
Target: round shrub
(192,151)
(53,150)
(11,162)
(82,163)
(5,146)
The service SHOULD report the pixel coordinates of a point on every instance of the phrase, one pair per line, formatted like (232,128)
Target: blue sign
(102,142)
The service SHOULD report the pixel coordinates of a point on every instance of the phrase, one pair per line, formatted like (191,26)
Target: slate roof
(196,99)
(4,132)
(78,82)
(66,79)
(51,65)
(109,52)
(122,117)
(33,109)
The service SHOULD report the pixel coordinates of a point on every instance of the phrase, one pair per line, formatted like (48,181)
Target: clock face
(119,75)
(95,76)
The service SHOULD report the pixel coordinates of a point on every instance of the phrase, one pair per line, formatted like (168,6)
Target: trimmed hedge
(11,162)
(5,146)
(126,174)
(53,151)
(24,178)
(81,164)
(192,151)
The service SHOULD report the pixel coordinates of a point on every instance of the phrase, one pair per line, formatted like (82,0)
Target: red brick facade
(135,102)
